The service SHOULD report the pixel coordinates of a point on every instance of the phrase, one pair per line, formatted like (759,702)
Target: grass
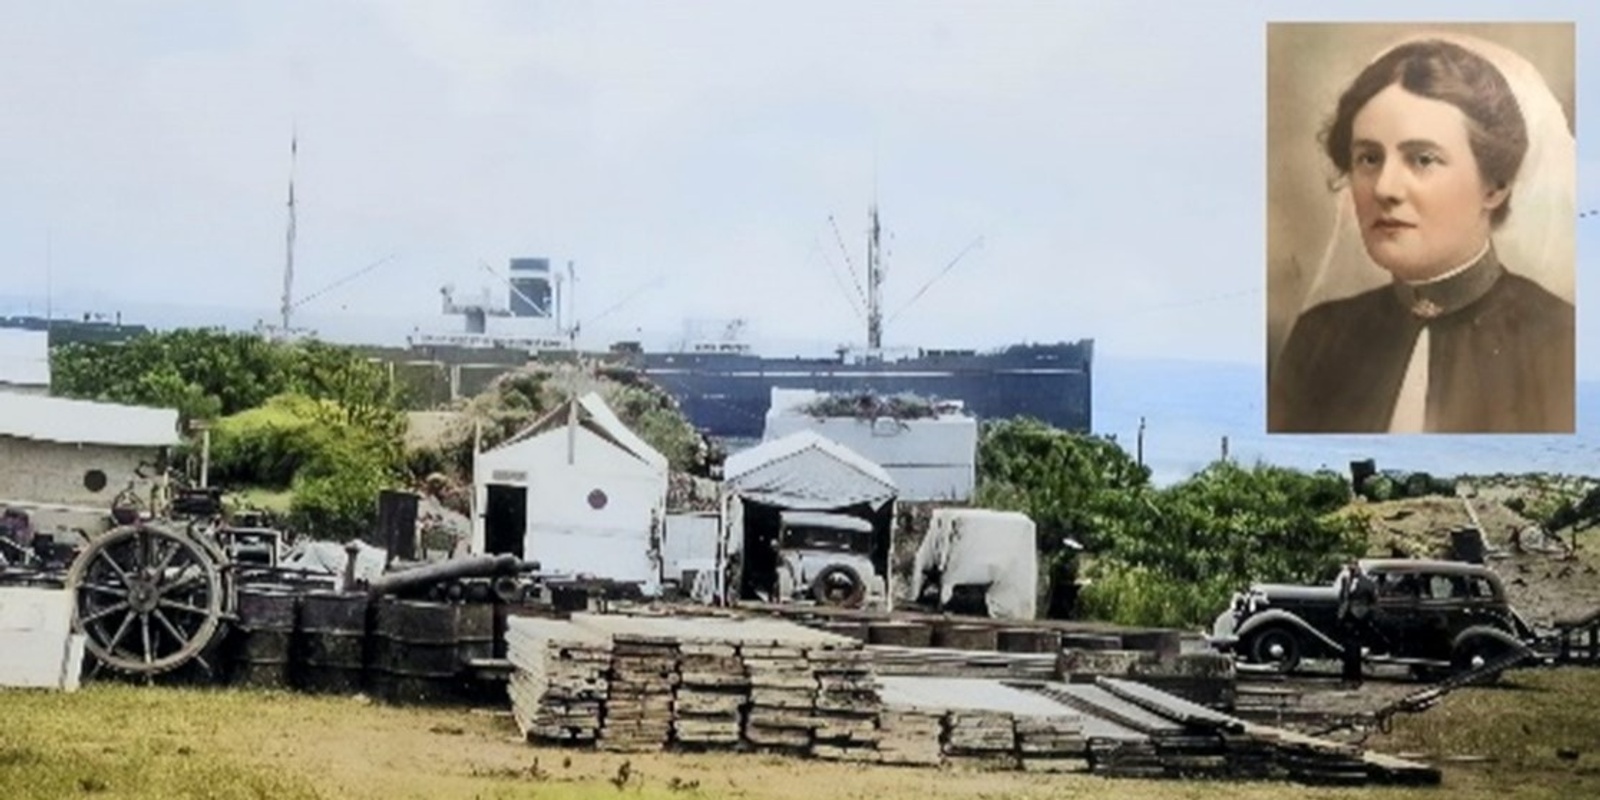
(145,743)
(276,501)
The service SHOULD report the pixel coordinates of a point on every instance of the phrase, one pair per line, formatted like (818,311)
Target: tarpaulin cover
(975,546)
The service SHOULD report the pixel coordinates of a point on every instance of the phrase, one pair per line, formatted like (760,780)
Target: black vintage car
(1426,614)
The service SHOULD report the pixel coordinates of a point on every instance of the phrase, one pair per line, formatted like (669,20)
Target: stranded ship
(724,387)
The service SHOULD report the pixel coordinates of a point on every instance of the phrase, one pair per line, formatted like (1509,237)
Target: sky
(687,157)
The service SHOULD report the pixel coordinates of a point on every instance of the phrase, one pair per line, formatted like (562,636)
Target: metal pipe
(469,567)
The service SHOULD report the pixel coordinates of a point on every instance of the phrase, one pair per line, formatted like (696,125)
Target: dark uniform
(1501,358)
(1063,585)
(1356,596)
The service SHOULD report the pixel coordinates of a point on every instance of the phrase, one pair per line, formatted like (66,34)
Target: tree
(1070,484)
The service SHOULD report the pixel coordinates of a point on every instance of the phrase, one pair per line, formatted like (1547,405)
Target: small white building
(65,460)
(24,361)
(576,491)
(804,471)
(933,459)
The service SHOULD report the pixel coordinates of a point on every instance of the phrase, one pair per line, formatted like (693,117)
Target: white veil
(1537,241)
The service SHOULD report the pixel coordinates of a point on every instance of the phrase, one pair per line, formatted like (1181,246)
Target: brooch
(1427,309)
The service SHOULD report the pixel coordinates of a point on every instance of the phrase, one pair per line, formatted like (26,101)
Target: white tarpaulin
(37,646)
(807,471)
(977,546)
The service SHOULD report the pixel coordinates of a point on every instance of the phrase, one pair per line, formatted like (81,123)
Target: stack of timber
(1207,678)
(707,710)
(1051,743)
(847,703)
(638,706)
(1158,734)
(944,662)
(783,693)
(984,724)
(559,681)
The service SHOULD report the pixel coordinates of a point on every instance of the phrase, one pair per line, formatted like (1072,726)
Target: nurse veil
(1535,241)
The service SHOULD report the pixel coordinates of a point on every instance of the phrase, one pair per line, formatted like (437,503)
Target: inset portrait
(1421,228)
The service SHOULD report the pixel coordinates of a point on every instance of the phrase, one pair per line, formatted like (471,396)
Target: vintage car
(1425,614)
(828,558)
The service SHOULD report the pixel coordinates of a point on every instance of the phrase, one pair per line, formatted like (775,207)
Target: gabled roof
(597,417)
(806,470)
(59,419)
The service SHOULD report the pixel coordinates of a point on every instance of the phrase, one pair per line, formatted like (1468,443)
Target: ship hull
(728,396)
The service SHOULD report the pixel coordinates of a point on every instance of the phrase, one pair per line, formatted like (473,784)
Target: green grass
(152,743)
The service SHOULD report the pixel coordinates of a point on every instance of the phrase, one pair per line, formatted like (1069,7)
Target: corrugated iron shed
(68,421)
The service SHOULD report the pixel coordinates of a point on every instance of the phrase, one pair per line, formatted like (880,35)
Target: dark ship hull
(728,395)
(70,331)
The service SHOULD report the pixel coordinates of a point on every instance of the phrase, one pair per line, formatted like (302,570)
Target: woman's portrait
(1421,223)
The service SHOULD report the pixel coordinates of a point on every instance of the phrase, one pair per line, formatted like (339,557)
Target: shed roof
(69,421)
(596,416)
(806,470)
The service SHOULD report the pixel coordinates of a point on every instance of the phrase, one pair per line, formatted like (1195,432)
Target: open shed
(803,471)
(577,491)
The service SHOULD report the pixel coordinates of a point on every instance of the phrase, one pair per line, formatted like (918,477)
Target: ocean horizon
(1189,406)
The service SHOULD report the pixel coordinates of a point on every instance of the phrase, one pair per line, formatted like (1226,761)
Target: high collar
(1453,292)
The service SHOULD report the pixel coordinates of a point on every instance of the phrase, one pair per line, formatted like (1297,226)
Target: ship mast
(287,306)
(874,284)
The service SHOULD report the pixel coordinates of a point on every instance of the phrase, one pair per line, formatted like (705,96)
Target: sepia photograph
(1421,219)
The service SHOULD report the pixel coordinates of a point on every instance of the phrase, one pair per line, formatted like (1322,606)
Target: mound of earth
(1548,575)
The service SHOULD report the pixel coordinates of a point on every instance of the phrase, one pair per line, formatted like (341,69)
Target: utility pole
(287,306)
(1139,444)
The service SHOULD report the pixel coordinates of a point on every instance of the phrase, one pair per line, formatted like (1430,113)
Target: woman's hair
(1448,72)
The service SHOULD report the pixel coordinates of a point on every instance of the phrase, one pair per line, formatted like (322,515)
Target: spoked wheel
(150,600)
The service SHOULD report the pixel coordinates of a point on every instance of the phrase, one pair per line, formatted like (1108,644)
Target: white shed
(576,491)
(804,471)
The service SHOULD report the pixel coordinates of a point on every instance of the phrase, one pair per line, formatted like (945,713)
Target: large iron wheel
(149,599)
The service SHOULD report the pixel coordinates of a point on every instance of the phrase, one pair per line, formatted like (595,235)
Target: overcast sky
(686,154)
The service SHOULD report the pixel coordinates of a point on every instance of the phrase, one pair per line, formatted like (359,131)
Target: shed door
(505,519)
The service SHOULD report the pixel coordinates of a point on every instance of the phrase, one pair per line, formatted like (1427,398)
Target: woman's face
(1422,204)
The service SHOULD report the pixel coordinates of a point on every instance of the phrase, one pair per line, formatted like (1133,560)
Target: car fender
(1280,616)
(1492,633)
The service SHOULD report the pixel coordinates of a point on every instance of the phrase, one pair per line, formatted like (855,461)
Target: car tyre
(1276,644)
(839,585)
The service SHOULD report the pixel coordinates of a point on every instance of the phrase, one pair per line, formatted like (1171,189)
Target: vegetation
(518,399)
(314,418)
(870,406)
(1171,556)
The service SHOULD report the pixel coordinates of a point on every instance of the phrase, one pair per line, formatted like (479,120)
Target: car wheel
(1277,645)
(1476,652)
(839,585)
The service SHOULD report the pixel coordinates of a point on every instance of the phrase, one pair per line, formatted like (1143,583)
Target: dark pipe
(507,589)
(469,567)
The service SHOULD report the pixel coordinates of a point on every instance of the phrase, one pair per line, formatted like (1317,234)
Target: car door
(1439,609)
(1395,618)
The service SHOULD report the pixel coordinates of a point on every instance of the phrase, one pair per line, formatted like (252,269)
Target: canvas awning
(807,471)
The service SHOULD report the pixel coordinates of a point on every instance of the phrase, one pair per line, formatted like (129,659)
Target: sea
(1192,410)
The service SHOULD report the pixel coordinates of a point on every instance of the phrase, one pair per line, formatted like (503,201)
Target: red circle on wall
(597,499)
